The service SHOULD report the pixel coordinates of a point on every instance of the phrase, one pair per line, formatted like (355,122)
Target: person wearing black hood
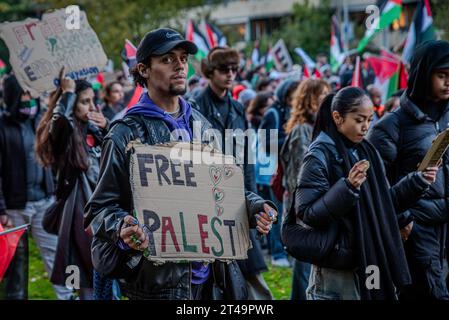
(68,140)
(403,138)
(26,188)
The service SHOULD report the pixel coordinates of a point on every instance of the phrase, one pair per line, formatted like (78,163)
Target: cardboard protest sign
(436,151)
(193,208)
(282,58)
(39,48)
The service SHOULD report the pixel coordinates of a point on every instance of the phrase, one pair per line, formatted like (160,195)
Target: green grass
(279,280)
(39,286)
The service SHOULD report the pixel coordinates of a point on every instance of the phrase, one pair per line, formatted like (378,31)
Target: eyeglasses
(226,68)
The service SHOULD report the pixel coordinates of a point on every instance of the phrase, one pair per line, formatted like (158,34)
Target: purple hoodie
(146,107)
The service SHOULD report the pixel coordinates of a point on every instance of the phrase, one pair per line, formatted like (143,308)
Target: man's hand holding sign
(189,210)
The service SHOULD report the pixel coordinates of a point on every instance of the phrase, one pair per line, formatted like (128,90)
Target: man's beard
(172,90)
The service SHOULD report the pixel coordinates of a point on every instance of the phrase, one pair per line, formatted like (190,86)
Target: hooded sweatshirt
(179,126)
(428,57)
(34,172)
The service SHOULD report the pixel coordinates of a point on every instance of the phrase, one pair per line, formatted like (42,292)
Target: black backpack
(304,243)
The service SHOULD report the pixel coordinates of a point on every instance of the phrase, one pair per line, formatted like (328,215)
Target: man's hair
(137,77)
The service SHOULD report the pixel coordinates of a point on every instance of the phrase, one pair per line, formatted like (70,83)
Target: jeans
(105,288)
(300,281)
(276,247)
(331,284)
(33,214)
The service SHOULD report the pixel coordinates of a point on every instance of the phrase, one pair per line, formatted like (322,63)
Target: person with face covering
(26,188)
(402,138)
(68,140)
(343,192)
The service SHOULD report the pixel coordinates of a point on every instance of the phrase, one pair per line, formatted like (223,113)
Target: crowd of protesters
(346,176)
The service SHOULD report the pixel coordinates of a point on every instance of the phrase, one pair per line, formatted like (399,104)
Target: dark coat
(13,191)
(112,201)
(403,138)
(236,120)
(74,188)
(324,197)
(292,154)
(13,172)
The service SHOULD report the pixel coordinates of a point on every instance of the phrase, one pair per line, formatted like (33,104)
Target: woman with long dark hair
(343,192)
(68,140)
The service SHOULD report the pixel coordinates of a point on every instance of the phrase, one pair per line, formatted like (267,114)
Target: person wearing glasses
(227,115)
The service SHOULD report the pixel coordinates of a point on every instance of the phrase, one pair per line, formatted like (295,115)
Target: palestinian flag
(212,34)
(421,30)
(98,82)
(130,60)
(194,35)
(357,79)
(305,72)
(221,39)
(336,55)
(387,71)
(390,10)
(130,54)
(14,263)
(135,97)
(305,58)
(2,67)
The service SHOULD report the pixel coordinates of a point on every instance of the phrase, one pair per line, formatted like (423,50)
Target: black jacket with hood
(13,171)
(402,138)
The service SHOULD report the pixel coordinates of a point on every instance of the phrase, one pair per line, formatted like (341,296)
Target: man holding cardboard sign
(120,239)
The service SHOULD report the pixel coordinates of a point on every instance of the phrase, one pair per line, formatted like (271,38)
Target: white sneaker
(283,263)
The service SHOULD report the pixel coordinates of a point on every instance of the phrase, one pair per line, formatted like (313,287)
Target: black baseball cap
(161,41)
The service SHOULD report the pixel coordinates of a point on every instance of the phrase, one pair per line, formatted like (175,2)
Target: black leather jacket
(112,201)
